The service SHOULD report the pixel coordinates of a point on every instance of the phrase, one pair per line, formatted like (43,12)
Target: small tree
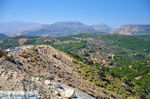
(2,53)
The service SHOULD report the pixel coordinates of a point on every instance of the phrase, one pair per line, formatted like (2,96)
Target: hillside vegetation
(26,40)
(3,36)
(122,62)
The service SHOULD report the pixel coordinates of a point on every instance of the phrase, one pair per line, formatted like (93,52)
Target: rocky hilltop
(47,71)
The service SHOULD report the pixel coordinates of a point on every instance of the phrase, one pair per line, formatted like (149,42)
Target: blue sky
(110,12)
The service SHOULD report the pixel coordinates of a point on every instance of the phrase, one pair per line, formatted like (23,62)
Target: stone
(68,93)
(37,79)
(58,86)
(47,82)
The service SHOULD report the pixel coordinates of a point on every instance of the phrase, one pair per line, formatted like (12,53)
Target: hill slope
(24,66)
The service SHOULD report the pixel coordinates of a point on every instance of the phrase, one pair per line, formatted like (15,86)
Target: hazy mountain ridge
(136,29)
(15,28)
(60,29)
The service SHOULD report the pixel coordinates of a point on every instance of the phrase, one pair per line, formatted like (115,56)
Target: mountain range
(15,28)
(59,29)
